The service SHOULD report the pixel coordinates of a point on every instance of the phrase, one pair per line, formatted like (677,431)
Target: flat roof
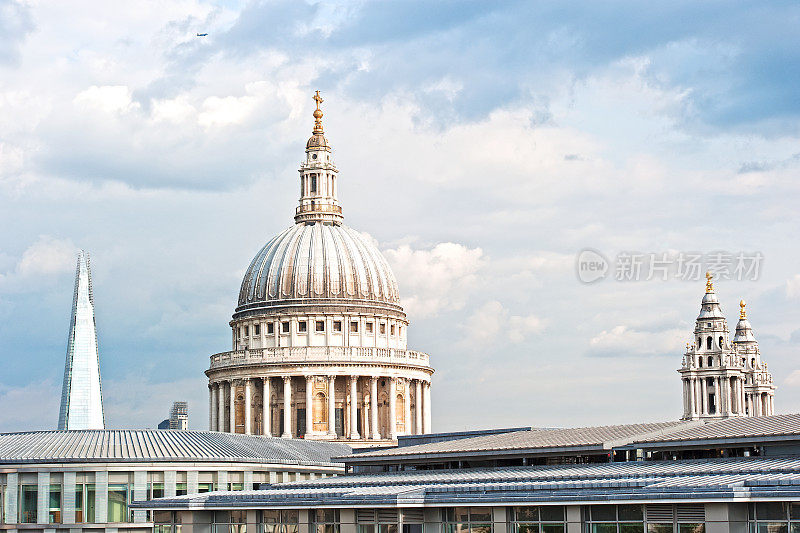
(150,445)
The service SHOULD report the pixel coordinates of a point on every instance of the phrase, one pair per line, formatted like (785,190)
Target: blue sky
(481,144)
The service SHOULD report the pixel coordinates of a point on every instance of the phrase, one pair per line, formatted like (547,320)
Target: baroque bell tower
(723,379)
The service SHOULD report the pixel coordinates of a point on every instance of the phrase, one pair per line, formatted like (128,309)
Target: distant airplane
(202,34)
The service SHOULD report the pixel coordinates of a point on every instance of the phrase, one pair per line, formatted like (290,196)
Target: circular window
(313,156)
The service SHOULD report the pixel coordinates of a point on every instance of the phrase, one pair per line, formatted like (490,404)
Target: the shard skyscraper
(81,398)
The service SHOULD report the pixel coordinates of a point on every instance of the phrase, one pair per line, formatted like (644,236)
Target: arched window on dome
(313,184)
(710,361)
(709,341)
(720,342)
(699,343)
(700,362)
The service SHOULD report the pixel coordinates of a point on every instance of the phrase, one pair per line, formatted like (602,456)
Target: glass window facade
(28,497)
(325,521)
(467,520)
(166,522)
(614,519)
(54,502)
(774,517)
(538,519)
(279,521)
(117,503)
(229,522)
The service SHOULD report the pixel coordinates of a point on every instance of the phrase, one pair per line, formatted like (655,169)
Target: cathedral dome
(316,264)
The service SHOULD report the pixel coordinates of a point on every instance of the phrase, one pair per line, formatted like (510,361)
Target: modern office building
(723,379)
(85,480)
(81,394)
(735,475)
(319,335)
(178,417)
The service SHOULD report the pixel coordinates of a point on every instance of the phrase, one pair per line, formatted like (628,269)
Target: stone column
(392,408)
(332,406)
(309,406)
(287,407)
(373,408)
(248,398)
(417,407)
(210,408)
(232,406)
(266,408)
(426,419)
(407,408)
(718,396)
(354,408)
(704,392)
(214,425)
(220,406)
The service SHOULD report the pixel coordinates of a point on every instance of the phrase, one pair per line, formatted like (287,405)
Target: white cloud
(492,323)
(47,256)
(435,280)
(793,286)
(108,98)
(624,341)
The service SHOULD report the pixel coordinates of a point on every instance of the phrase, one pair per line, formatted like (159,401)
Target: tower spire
(319,183)
(81,397)
(709,283)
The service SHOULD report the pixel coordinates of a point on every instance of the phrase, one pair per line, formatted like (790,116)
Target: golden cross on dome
(318,113)
(709,283)
(742,312)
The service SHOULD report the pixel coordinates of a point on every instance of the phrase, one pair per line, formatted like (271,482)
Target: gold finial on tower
(318,113)
(709,282)
(742,312)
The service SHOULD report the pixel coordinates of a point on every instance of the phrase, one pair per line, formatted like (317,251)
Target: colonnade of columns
(223,407)
(729,398)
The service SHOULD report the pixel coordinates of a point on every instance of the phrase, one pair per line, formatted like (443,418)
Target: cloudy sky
(482,145)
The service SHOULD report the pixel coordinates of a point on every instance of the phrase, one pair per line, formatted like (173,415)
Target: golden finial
(318,113)
(709,282)
(742,312)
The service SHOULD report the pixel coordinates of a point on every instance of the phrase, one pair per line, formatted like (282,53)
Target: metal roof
(735,428)
(158,445)
(742,478)
(599,438)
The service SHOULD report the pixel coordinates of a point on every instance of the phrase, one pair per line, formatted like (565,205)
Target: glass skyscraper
(81,398)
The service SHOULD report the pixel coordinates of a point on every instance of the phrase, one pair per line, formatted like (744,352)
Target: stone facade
(319,336)
(723,379)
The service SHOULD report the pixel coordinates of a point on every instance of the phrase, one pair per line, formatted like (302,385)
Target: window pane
(222,517)
(481,528)
(794,527)
(117,503)
(527,528)
(480,514)
(634,527)
(526,514)
(691,528)
(552,513)
(90,501)
(28,504)
(552,528)
(771,511)
(366,528)
(292,516)
(461,514)
(603,513)
(795,511)
(771,527)
(604,528)
(659,528)
(630,512)
(270,516)
(387,528)
(238,517)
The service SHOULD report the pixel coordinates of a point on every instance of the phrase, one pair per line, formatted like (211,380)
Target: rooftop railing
(301,354)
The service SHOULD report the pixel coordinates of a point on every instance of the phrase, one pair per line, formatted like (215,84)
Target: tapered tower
(81,398)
